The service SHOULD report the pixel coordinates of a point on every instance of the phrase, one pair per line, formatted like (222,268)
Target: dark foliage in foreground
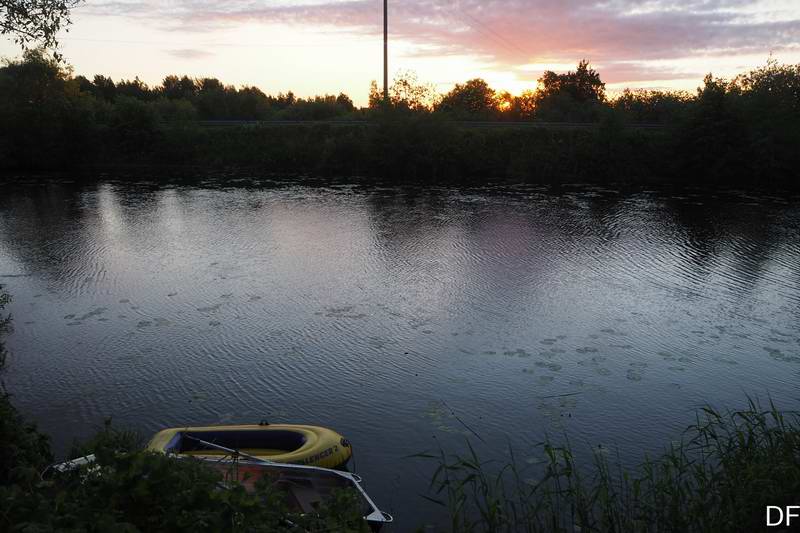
(127,489)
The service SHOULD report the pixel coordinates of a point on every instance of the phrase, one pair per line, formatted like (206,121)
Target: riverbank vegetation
(127,489)
(743,130)
(721,476)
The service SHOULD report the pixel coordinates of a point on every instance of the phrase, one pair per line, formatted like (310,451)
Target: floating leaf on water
(634,376)
(549,366)
(97,312)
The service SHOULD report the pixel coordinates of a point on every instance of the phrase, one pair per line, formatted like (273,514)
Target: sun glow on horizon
(332,47)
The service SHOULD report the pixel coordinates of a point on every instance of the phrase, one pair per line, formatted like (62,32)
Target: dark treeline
(210,99)
(744,130)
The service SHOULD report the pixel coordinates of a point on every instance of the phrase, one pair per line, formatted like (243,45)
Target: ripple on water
(353,308)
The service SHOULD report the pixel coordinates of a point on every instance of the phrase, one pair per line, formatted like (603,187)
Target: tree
(375,96)
(44,117)
(252,104)
(84,84)
(105,88)
(574,96)
(524,105)
(345,103)
(175,88)
(135,88)
(35,21)
(214,99)
(407,92)
(651,107)
(582,85)
(474,99)
(768,99)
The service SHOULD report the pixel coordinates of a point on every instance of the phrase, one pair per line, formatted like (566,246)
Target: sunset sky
(329,46)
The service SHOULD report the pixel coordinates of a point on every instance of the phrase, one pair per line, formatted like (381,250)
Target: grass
(721,476)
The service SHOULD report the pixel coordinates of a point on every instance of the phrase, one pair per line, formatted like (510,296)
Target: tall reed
(721,476)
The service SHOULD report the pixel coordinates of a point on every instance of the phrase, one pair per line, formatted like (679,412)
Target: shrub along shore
(727,468)
(741,131)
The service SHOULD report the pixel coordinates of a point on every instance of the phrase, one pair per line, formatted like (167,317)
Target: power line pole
(386,50)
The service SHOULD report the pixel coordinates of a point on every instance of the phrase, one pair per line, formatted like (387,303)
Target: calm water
(383,312)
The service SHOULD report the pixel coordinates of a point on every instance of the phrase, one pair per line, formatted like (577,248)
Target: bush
(134,125)
(24,452)
(127,489)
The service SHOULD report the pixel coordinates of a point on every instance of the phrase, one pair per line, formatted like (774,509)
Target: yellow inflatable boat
(280,443)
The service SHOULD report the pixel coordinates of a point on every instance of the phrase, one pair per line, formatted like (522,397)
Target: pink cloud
(509,33)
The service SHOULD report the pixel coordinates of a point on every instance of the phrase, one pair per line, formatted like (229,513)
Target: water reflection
(383,311)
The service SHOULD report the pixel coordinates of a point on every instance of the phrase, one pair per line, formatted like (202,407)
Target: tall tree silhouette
(473,99)
(35,21)
(573,96)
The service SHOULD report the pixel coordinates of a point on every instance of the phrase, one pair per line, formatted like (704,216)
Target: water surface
(386,313)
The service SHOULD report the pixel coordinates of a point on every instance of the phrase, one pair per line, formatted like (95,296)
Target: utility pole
(386,51)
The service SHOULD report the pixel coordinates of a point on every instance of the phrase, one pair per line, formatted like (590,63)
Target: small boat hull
(278,443)
(306,487)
